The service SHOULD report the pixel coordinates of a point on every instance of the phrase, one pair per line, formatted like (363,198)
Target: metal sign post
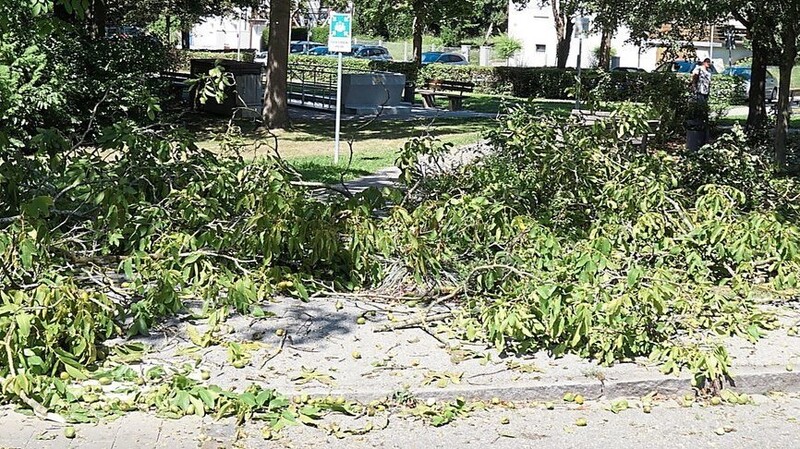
(582,30)
(339,40)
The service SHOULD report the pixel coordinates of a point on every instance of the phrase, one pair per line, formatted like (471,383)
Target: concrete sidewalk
(323,336)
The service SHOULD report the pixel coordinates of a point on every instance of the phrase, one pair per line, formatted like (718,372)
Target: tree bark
(784,108)
(789,34)
(185,39)
(276,113)
(604,60)
(168,30)
(757,110)
(418,30)
(564,26)
(99,18)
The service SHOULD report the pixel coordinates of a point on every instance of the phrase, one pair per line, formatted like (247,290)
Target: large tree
(275,112)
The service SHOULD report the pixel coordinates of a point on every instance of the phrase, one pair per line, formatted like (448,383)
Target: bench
(453,90)
(177,84)
(589,118)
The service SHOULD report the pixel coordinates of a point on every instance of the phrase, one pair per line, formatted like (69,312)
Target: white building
(243,29)
(227,32)
(534,27)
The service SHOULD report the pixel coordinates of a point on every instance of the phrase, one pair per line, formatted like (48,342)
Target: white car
(745,73)
(261,58)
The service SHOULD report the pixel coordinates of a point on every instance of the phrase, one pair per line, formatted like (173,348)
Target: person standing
(701,80)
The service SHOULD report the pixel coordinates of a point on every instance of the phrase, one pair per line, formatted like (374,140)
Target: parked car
(682,66)
(303,46)
(745,73)
(372,52)
(628,69)
(260,58)
(319,51)
(440,57)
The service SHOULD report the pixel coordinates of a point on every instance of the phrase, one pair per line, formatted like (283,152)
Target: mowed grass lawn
(309,145)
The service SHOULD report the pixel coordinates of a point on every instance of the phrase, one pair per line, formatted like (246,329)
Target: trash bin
(408,92)
(696,134)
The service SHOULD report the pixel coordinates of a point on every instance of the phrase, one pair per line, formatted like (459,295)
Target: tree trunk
(789,35)
(276,114)
(99,18)
(784,109)
(604,60)
(168,30)
(185,39)
(757,113)
(418,30)
(564,26)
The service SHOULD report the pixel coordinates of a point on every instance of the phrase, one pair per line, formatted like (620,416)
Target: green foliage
(505,46)
(183,57)
(57,78)
(409,69)
(320,34)
(643,254)
(264,39)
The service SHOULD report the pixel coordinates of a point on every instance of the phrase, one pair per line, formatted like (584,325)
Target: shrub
(484,78)
(409,69)
(320,34)
(505,46)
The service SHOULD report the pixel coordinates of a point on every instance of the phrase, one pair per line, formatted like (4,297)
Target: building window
(541,48)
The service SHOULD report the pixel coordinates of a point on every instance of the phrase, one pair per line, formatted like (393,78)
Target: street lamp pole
(582,28)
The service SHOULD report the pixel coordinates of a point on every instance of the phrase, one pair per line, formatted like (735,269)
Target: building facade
(534,27)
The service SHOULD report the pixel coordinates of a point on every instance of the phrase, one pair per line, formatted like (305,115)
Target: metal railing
(313,85)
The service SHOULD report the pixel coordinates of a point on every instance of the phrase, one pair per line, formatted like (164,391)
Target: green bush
(264,41)
(409,69)
(485,78)
(505,46)
(320,34)
(184,56)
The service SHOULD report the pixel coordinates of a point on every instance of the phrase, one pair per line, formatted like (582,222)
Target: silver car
(745,73)
(440,57)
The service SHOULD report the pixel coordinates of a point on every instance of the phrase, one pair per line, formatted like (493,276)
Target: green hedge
(486,79)
(409,69)
(183,56)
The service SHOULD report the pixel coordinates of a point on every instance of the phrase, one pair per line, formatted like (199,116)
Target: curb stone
(762,382)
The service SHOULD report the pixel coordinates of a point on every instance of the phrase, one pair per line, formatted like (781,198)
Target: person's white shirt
(703,83)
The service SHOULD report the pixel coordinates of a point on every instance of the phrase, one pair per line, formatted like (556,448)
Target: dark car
(745,73)
(296,47)
(440,57)
(628,69)
(375,52)
(682,66)
(319,51)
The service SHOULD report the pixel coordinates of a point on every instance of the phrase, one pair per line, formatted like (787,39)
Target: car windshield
(430,57)
(741,72)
